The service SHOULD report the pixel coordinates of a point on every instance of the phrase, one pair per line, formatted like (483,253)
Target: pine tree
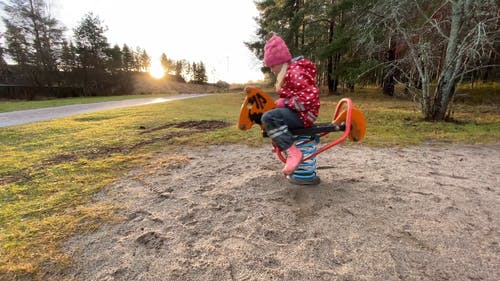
(181,68)
(202,73)
(3,65)
(92,53)
(68,57)
(116,59)
(34,39)
(199,75)
(169,65)
(91,43)
(128,58)
(145,61)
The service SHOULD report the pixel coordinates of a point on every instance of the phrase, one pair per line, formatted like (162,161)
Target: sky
(211,31)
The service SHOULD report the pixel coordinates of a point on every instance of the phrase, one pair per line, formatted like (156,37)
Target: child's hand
(280,102)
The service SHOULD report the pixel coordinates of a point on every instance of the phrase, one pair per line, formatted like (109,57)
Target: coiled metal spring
(306,172)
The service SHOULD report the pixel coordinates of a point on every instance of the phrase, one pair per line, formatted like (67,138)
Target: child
(298,103)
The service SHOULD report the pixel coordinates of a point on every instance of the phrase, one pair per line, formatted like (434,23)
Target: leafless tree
(441,41)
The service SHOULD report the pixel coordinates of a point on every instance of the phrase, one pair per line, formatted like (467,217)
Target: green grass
(49,170)
(479,94)
(12,105)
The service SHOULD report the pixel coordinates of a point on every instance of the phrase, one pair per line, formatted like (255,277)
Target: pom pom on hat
(276,52)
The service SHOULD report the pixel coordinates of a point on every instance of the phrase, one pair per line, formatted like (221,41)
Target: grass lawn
(50,170)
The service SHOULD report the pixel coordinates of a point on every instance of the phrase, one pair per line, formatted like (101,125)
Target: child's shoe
(293,159)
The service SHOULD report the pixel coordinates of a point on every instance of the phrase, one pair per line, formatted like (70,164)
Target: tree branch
(430,19)
(479,67)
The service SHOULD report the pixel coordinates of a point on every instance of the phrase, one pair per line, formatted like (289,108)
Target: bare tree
(445,39)
(472,35)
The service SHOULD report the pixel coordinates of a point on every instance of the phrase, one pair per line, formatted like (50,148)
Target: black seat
(318,129)
(315,129)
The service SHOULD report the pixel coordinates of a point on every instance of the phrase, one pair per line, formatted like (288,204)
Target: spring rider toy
(350,120)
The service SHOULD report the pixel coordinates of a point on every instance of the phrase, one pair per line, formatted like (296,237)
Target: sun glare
(156,71)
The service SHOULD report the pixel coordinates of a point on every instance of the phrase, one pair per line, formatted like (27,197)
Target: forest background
(425,47)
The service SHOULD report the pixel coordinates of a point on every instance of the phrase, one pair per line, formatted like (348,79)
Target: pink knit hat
(276,52)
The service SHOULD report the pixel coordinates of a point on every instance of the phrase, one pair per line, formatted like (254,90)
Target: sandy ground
(226,213)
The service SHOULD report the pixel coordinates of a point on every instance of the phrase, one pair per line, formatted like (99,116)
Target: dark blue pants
(277,122)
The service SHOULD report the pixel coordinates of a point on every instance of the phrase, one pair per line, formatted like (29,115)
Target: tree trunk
(332,84)
(487,71)
(329,67)
(426,97)
(336,63)
(329,78)
(448,79)
(444,93)
(388,82)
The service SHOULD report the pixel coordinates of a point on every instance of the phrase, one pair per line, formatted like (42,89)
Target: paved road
(41,114)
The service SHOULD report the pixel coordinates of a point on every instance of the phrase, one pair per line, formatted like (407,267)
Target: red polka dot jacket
(300,91)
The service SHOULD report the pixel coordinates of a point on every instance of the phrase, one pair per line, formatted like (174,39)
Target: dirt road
(226,213)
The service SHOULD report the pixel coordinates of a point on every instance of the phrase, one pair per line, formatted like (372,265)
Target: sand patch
(226,213)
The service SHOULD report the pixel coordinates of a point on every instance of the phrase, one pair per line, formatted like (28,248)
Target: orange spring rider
(349,120)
